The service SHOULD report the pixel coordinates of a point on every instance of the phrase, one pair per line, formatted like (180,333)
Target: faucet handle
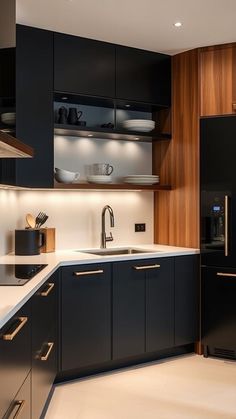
(109,238)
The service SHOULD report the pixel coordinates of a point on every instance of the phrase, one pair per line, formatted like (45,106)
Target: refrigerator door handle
(226,274)
(226,225)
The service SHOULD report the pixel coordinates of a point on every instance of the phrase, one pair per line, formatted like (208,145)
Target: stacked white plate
(142,179)
(8,118)
(140,125)
(99,178)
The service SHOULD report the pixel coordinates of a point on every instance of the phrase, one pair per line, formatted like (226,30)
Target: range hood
(10,147)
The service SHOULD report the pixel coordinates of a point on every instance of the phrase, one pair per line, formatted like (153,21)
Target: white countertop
(12,298)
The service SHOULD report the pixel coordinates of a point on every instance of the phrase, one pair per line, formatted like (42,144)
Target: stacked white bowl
(99,179)
(8,118)
(142,179)
(140,125)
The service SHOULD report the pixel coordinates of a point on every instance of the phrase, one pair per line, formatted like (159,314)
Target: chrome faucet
(104,238)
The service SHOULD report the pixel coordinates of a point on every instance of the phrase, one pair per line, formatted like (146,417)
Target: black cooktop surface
(18,274)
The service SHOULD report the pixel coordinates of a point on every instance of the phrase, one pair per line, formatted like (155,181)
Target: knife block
(49,240)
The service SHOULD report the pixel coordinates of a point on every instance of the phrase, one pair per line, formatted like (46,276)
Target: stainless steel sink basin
(111,252)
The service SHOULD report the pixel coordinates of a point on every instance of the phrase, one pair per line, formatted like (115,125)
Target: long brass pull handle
(226,225)
(45,293)
(45,357)
(10,336)
(140,268)
(234,106)
(18,406)
(98,271)
(226,274)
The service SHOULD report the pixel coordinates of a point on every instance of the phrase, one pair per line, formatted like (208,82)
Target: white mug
(102,169)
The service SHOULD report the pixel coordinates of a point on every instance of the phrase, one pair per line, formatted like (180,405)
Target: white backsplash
(77,216)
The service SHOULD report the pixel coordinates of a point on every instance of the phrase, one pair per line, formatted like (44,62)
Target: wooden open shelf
(111,186)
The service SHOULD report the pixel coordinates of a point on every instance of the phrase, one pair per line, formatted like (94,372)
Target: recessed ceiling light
(127,106)
(64,98)
(178,24)
(136,138)
(90,135)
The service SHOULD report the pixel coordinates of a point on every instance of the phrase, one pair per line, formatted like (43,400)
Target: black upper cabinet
(143,76)
(84,66)
(34,105)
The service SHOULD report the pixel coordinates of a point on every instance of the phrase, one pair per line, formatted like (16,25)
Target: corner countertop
(12,298)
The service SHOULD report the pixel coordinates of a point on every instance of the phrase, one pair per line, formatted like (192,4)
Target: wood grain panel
(218,82)
(176,213)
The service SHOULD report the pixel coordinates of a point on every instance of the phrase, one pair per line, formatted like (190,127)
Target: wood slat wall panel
(176,213)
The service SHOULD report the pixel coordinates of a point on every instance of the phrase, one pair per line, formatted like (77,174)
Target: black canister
(28,242)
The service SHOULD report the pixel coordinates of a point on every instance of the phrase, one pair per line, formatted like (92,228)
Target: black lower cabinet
(219,311)
(187,298)
(21,405)
(160,304)
(44,343)
(128,310)
(85,315)
(15,356)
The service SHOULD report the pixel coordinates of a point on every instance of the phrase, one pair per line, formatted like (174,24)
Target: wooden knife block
(49,240)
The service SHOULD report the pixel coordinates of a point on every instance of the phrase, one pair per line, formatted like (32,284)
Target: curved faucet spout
(104,237)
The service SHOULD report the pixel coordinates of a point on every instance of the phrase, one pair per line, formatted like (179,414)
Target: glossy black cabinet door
(160,304)
(218,191)
(143,76)
(128,309)
(21,405)
(85,315)
(219,310)
(34,105)
(44,343)
(187,295)
(15,356)
(83,66)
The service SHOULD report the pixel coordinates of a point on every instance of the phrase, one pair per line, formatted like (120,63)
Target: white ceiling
(146,24)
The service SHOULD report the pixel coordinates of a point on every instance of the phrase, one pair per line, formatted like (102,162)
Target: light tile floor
(187,387)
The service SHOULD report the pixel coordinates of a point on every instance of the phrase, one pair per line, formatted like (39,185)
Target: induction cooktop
(11,274)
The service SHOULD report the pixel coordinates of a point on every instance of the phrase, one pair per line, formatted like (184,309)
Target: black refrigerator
(218,235)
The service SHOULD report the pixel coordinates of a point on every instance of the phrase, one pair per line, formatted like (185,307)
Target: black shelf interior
(97,111)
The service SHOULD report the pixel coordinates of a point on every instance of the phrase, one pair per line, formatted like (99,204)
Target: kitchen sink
(111,252)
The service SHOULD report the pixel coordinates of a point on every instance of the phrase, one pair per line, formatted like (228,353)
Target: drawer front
(218,308)
(86,315)
(20,407)
(44,343)
(15,355)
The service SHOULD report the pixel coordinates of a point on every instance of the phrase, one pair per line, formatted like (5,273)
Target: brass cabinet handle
(98,271)
(17,409)
(45,293)
(140,268)
(10,336)
(225,274)
(226,225)
(234,106)
(45,357)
